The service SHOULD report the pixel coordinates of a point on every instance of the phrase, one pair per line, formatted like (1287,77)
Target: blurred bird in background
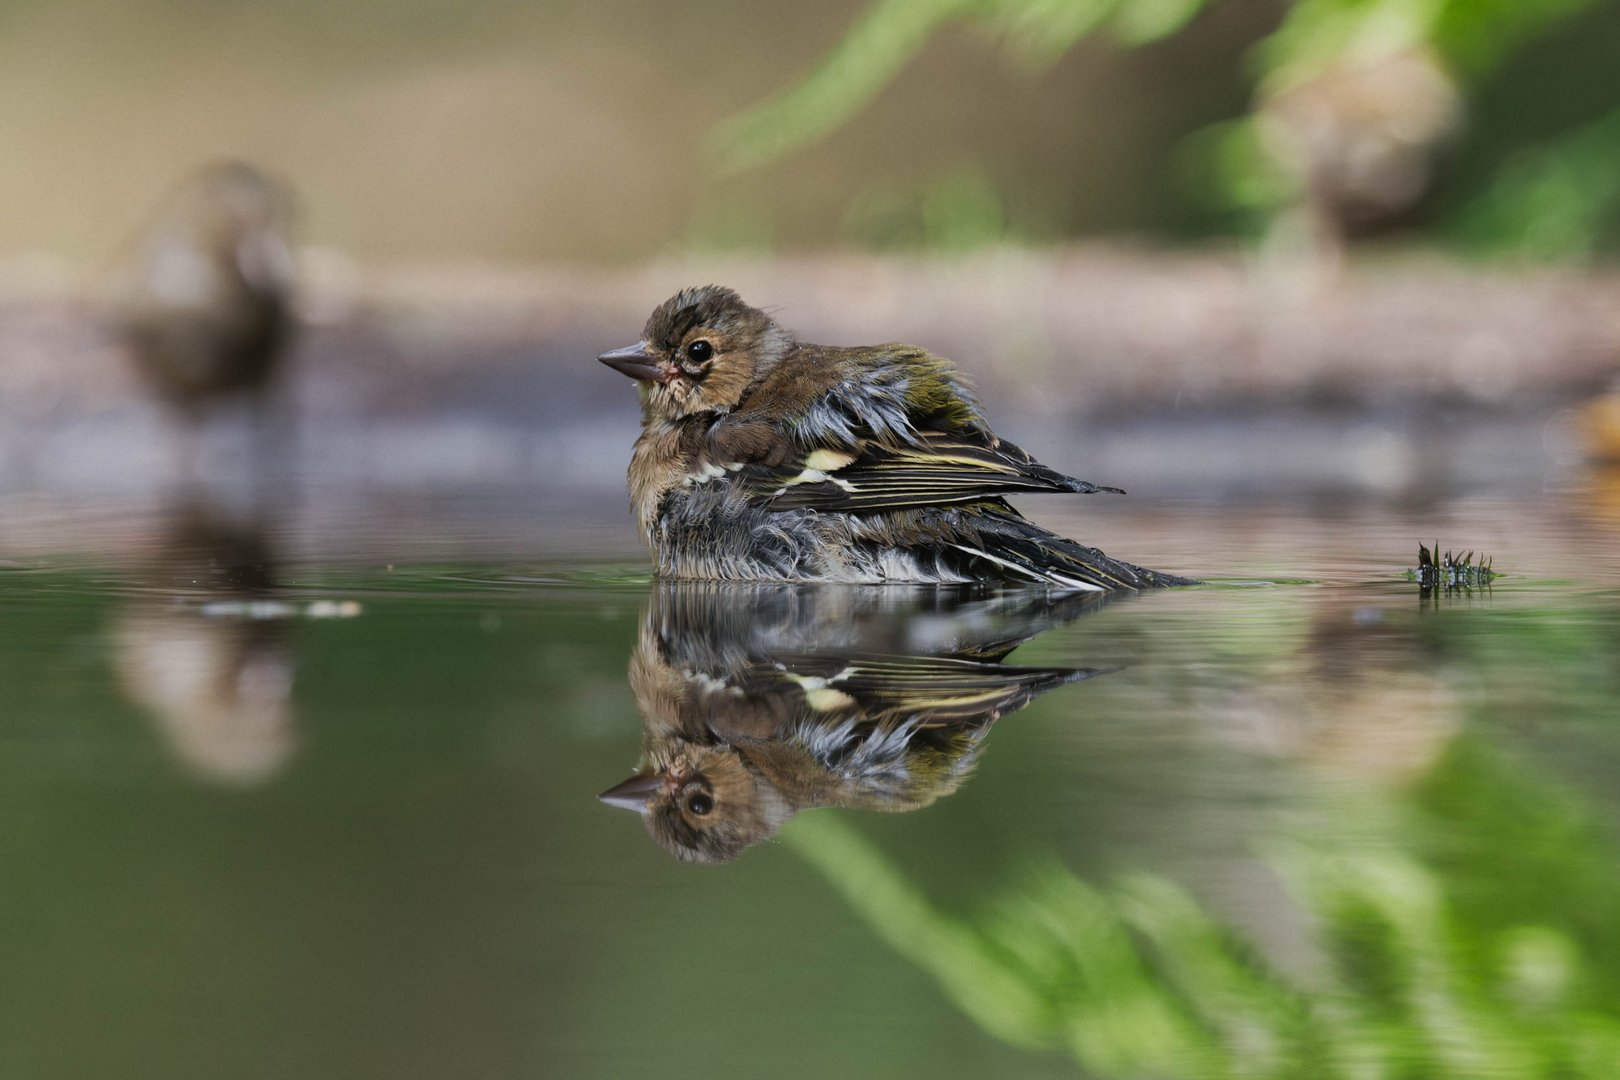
(765,458)
(204,299)
(1360,137)
(759,701)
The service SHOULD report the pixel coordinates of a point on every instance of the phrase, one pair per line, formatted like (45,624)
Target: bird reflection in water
(204,649)
(759,701)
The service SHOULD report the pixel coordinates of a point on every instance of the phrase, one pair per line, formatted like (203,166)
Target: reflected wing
(919,692)
(938,469)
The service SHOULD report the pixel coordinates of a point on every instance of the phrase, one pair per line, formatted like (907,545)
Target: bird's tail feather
(1007,546)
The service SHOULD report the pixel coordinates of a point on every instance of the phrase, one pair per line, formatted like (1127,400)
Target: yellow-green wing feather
(936,469)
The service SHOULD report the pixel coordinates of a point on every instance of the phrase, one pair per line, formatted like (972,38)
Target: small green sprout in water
(1451,571)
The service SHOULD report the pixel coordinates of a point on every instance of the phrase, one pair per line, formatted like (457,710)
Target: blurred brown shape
(1368,698)
(207,653)
(1361,138)
(204,299)
(761,701)
(1598,422)
(1597,501)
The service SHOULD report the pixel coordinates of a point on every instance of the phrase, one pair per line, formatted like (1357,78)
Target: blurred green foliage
(1543,193)
(1559,199)
(958,211)
(892,32)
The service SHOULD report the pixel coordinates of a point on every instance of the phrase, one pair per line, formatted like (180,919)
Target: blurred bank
(1200,249)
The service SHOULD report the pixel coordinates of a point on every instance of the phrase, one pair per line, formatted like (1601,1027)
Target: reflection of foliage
(1553,198)
(1132,981)
(1514,847)
(1138,979)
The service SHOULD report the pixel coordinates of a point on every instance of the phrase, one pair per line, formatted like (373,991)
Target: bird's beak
(635,793)
(636,362)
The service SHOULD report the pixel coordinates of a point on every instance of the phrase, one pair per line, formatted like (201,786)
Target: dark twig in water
(1451,571)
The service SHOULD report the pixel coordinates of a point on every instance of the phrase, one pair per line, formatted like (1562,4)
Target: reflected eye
(700,352)
(700,804)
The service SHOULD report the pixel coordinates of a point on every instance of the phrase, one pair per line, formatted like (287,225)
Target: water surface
(274,806)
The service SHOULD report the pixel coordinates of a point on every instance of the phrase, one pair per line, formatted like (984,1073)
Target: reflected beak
(636,362)
(635,793)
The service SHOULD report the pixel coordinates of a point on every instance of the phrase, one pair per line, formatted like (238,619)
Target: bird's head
(226,223)
(704,804)
(700,350)
(232,196)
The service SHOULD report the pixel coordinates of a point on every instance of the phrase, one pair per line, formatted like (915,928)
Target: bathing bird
(766,458)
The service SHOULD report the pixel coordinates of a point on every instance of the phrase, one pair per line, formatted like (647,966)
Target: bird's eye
(700,351)
(700,804)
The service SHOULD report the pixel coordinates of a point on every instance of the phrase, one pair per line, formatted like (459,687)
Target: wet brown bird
(204,300)
(759,701)
(765,458)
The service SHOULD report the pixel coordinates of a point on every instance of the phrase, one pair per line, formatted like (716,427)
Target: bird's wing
(932,469)
(881,428)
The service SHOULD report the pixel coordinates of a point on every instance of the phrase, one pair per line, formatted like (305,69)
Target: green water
(337,816)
